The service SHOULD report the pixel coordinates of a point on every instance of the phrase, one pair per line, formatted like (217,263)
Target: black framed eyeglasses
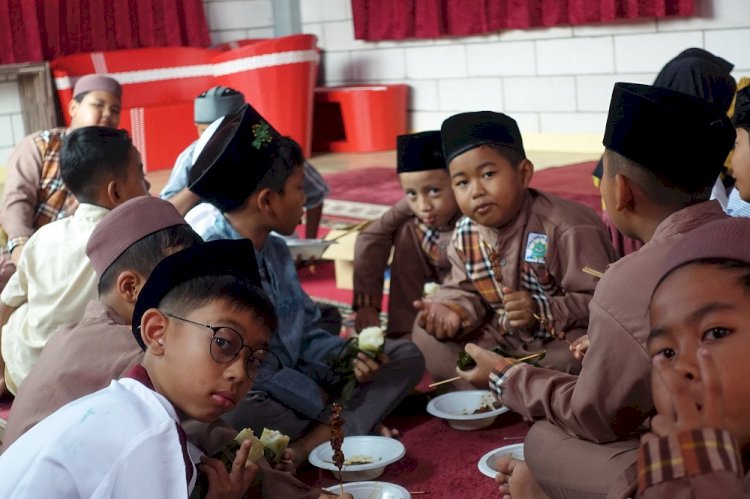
(226,345)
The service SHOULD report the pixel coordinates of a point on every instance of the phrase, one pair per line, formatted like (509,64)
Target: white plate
(457,409)
(307,249)
(373,490)
(383,450)
(487,464)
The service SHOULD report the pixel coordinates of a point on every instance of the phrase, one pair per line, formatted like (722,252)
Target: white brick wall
(552,80)
(11,121)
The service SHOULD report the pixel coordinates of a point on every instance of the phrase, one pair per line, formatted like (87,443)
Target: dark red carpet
(439,460)
(379,185)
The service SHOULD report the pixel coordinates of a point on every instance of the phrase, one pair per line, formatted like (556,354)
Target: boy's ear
(72,107)
(264,200)
(624,193)
(154,331)
(113,193)
(527,171)
(128,285)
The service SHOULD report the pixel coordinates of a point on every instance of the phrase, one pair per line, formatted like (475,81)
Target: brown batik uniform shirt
(34,190)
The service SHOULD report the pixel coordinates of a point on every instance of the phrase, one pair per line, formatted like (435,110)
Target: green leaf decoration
(261,134)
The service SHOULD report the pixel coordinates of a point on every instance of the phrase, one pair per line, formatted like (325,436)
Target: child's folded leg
(590,475)
(373,401)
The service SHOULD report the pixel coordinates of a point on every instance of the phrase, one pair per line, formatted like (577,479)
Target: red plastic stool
(359,118)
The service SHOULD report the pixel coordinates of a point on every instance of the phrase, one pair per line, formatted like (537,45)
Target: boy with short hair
(418,228)
(55,280)
(517,256)
(205,324)
(210,106)
(653,194)
(255,177)
(34,192)
(83,357)
(699,344)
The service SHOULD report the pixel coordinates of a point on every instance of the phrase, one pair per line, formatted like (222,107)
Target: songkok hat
(91,83)
(231,158)
(742,108)
(127,224)
(681,138)
(465,131)
(223,257)
(217,102)
(419,152)
(698,72)
(728,238)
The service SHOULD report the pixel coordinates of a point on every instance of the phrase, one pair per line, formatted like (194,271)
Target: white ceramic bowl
(382,450)
(457,408)
(487,464)
(307,249)
(373,490)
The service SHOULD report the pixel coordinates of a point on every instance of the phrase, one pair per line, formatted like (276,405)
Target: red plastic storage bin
(359,118)
(277,76)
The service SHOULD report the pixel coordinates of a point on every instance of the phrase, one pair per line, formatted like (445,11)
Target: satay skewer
(451,380)
(593,272)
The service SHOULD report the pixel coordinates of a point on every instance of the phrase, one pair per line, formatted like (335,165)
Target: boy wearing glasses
(126,440)
(255,177)
(83,357)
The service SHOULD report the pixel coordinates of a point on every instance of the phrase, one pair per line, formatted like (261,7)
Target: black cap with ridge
(231,158)
(465,131)
(223,257)
(681,138)
(420,152)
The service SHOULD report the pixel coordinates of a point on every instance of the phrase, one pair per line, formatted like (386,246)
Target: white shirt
(52,285)
(119,442)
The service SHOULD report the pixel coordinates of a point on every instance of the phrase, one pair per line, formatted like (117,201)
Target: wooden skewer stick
(451,380)
(593,272)
(353,228)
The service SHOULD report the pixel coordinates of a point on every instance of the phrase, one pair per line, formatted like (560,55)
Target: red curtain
(37,30)
(399,19)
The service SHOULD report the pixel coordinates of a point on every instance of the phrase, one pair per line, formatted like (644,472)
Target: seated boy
(418,228)
(255,177)
(699,343)
(83,357)
(656,195)
(205,329)
(34,192)
(55,280)
(517,256)
(210,106)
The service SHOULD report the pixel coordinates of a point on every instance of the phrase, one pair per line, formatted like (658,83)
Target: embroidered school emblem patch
(536,248)
(262,134)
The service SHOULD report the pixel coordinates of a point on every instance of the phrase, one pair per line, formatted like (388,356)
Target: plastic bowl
(457,408)
(373,490)
(487,463)
(382,450)
(307,249)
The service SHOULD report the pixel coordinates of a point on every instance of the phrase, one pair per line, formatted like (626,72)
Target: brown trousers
(568,467)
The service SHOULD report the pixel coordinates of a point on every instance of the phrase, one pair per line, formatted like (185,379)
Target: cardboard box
(342,254)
